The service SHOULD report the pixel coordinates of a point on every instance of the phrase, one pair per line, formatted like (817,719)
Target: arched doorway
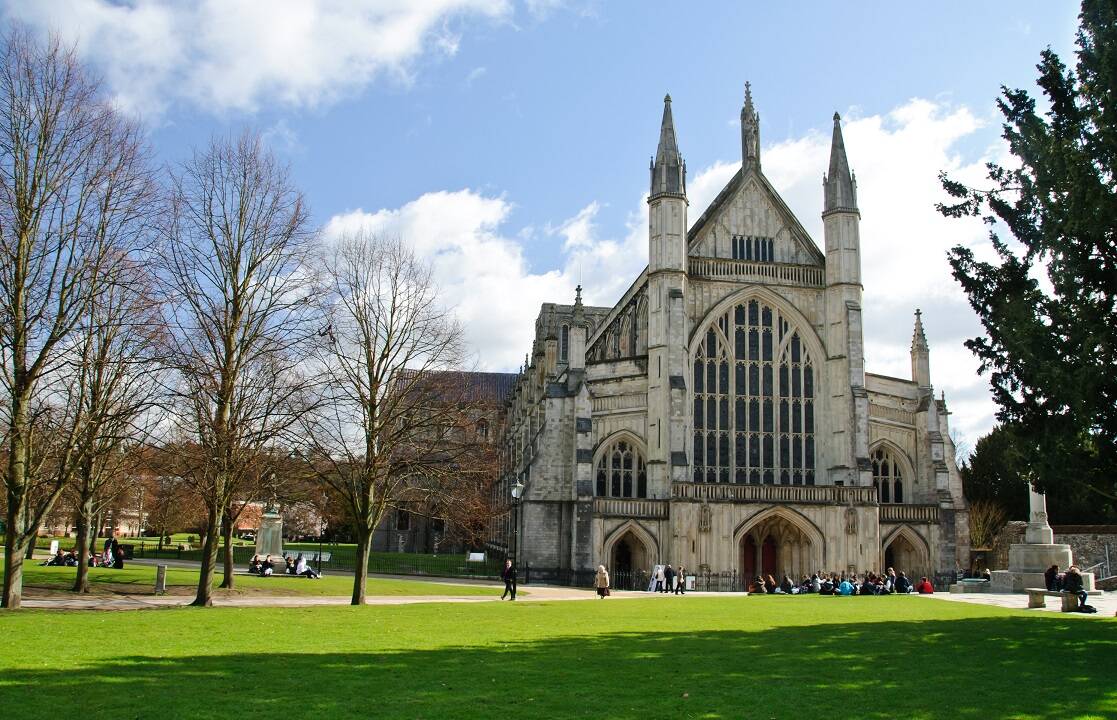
(905,552)
(777,544)
(629,562)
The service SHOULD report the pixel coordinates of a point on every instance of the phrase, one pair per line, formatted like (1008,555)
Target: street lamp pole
(517,494)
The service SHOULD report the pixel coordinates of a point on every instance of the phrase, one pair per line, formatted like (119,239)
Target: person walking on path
(601,582)
(680,581)
(659,579)
(669,580)
(508,575)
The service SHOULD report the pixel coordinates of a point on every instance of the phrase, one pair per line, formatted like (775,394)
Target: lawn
(140,579)
(708,657)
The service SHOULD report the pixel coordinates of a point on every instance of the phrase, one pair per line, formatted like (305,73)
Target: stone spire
(750,133)
(579,310)
(668,169)
(920,354)
(840,185)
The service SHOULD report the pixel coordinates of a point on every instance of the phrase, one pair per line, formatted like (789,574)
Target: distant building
(410,528)
(719,415)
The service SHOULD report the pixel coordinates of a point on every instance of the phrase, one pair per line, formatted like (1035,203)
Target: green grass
(140,579)
(721,657)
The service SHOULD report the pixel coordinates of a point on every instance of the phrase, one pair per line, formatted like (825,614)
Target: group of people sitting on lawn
(871,583)
(292,566)
(1069,581)
(113,557)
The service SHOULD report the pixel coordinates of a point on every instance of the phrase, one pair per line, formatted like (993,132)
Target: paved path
(1106,603)
(538,593)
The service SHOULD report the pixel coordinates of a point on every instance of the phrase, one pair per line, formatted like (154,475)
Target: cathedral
(720,415)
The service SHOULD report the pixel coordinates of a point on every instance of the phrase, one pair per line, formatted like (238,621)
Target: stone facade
(719,415)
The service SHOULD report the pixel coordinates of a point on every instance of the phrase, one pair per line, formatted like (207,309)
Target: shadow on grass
(975,668)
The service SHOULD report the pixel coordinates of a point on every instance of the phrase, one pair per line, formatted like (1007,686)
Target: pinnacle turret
(840,186)
(750,133)
(668,169)
(918,338)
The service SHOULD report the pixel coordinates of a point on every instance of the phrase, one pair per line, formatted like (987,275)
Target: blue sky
(509,141)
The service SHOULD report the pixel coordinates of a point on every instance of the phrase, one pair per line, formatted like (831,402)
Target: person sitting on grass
(57,560)
(758,586)
(254,565)
(903,585)
(267,567)
(846,588)
(289,565)
(304,570)
(825,586)
(785,585)
(118,557)
(924,587)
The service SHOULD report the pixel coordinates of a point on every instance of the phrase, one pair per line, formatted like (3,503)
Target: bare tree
(70,169)
(233,262)
(117,375)
(389,428)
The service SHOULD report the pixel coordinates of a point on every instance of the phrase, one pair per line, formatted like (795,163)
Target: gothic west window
(564,344)
(888,478)
(621,472)
(754,395)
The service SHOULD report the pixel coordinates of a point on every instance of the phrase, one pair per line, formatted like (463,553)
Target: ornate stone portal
(1027,561)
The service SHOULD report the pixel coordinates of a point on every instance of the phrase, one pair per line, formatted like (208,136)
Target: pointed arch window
(564,344)
(621,472)
(754,395)
(888,476)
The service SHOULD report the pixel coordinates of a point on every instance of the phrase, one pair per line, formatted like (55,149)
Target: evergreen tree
(1049,300)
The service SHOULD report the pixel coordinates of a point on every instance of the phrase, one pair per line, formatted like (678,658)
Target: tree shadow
(974,668)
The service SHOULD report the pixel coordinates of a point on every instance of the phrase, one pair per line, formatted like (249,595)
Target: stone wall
(1087,543)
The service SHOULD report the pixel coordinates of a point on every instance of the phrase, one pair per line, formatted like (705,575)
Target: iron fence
(344,559)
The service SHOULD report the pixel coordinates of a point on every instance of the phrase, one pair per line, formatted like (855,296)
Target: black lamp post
(517,494)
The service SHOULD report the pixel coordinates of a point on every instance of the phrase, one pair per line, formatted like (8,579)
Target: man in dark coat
(508,575)
(669,577)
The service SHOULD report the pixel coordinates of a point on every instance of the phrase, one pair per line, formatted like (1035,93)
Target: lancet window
(888,477)
(621,472)
(754,400)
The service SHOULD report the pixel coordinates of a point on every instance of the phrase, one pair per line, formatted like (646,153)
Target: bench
(1037,598)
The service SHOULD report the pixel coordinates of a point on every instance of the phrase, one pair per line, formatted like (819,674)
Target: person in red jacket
(924,587)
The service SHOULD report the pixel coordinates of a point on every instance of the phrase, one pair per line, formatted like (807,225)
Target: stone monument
(1027,561)
(269,538)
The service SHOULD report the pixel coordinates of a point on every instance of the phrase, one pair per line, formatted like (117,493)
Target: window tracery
(621,472)
(888,477)
(754,395)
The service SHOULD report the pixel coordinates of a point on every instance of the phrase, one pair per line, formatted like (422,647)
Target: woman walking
(601,582)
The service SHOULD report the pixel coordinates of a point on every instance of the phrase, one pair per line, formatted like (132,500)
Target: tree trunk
(85,519)
(204,596)
(360,573)
(227,535)
(13,559)
(29,553)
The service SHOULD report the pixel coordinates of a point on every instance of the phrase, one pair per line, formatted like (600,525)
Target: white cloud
(237,54)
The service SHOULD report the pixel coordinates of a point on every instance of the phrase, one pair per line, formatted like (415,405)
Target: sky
(508,141)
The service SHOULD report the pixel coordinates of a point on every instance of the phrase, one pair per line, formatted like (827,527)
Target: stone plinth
(269,538)
(1031,558)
